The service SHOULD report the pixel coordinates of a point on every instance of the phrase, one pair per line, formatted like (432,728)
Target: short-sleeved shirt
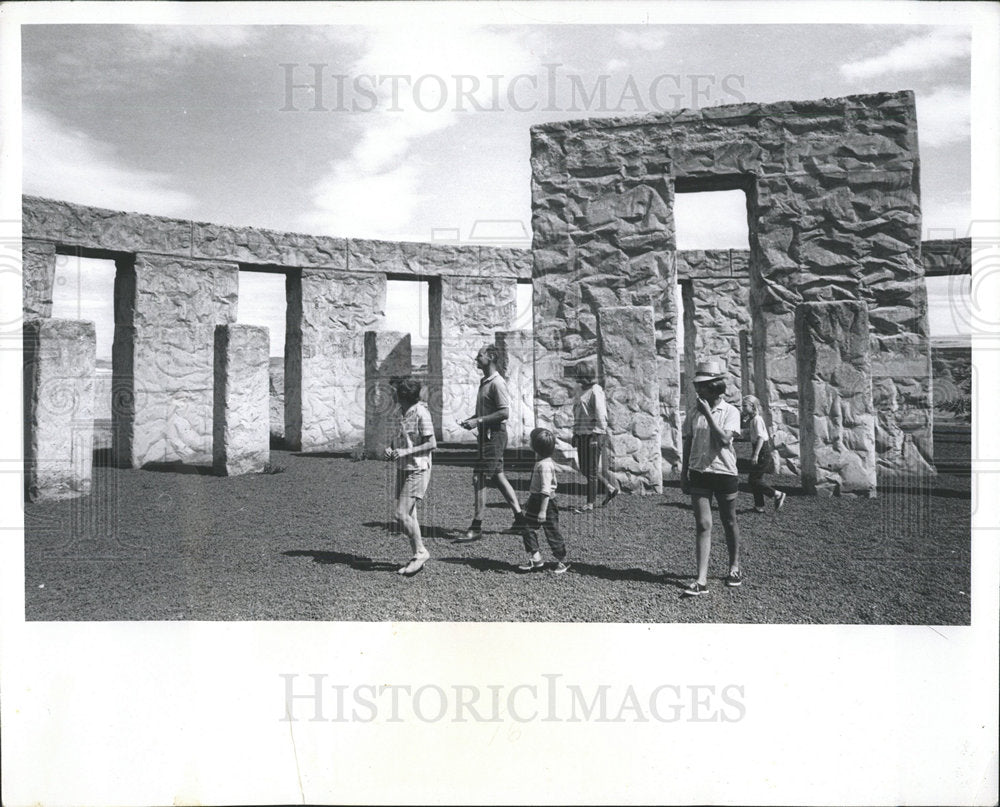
(590,412)
(543,478)
(758,430)
(706,455)
(416,425)
(493,396)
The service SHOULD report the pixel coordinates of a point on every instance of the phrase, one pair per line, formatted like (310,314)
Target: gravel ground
(314,542)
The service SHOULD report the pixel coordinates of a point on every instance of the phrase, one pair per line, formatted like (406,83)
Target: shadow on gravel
(426,530)
(586,569)
(178,468)
(358,562)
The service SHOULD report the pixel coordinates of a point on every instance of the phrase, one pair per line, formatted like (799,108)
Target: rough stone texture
(59,365)
(465,315)
(163,357)
(276,398)
(387,356)
(327,314)
(241,433)
(115,231)
(38,268)
(628,362)
(716,290)
(946,257)
(837,426)
(517,352)
(952,365)
(832,193)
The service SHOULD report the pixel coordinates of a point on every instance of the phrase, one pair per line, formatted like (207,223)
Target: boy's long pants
(550,526)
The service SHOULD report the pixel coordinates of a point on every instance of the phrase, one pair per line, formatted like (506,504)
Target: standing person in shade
(590,434)
(492,409)
(413,472)
(541,509)
(709,469)
(761,461)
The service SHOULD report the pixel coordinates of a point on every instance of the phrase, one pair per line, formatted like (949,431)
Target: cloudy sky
(421,132)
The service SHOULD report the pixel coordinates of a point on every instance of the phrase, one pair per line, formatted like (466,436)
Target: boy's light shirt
(544,479)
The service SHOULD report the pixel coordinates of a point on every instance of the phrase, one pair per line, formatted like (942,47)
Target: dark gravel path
(314,543)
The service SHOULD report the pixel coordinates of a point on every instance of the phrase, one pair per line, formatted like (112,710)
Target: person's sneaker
(587,508)
(696,589)
(779,500)
(561,567)
(531,565)
(758,509)
(734,578)
(474,533)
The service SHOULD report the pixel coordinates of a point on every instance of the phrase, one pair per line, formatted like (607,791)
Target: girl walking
(761,461)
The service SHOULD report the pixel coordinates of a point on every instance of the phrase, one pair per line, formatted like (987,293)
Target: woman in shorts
(709,470)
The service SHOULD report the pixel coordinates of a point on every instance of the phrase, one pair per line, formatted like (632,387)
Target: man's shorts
(491,448)
(413,482)
(724,486)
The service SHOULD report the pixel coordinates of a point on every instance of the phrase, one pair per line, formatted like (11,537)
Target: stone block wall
(833,205)
(59,363)
(716,290)
(328,312)
(163,356)
(38,266)
(465,314)
(627,354)
(335,290)
(952,367)
(517,350)
(241,423)
(387,356)
(837,435)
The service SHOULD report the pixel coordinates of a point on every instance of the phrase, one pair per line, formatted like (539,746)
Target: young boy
(541,509)
(414,467)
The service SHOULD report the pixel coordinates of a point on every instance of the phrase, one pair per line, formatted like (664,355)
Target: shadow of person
(358,562)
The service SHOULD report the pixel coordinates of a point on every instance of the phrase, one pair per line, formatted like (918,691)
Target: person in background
(492,409)
(413,457)
(761,461)
(590,434)
(708,468)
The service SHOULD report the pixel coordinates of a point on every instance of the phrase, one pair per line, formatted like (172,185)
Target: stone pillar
(465,314)
(517,351)
(163,356)
(627,352)
(716,310)
(837,422)
(327,314)
(38,270)
(241,433)
(387,355)
(59,363)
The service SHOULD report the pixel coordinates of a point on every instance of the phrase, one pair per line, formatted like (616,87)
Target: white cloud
(349,202)
(614,65)
(934,49)
(68,164)
(374,191)
(643,39)
(943,116)
(164,41)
